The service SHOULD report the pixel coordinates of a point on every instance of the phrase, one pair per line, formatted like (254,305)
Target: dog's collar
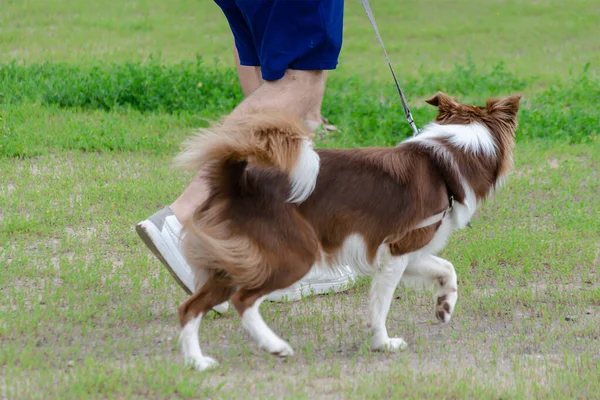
(437,217)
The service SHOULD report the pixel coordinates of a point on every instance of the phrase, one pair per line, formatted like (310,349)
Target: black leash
(407,113)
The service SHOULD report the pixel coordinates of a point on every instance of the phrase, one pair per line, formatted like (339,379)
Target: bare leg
(297,91)
(383,286)
(436,272)
(192,197)
(314,114)
(249,77)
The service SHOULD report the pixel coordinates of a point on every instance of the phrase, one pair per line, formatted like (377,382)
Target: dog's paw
(389,345)
(202,363)
(444,307)
(285,351)
(279,348)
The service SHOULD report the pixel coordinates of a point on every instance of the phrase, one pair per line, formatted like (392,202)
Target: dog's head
(499,116)
(497,112)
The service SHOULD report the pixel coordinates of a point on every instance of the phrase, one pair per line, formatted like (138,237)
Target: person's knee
(298,91)
(303,84)
(307,79)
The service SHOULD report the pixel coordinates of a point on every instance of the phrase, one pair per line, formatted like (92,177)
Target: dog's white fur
(192,353)
(305,172)
(257,328)
(474,137)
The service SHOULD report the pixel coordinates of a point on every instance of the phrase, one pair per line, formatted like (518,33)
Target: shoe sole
(145,236)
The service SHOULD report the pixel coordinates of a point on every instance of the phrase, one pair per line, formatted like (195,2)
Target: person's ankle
(312,125)
(181,213)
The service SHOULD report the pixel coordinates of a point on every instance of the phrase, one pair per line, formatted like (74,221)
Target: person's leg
(315,119)
(294,81)
(249,76)
(314,114)
(298,91)
(250,80)
(161,232)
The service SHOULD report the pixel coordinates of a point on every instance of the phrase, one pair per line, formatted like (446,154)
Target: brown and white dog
(383,211)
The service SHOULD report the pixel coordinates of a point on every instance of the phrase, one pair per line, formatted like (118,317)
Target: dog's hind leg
(247,304)
(432,270)
(215,291)
(384,284)
(248,301)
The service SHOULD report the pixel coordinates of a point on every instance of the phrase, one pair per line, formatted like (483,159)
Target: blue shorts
(286,34)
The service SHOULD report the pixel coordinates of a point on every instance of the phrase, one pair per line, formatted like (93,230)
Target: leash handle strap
(407,113)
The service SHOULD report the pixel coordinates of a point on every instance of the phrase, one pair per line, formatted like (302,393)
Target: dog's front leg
(437,272)
(384,284)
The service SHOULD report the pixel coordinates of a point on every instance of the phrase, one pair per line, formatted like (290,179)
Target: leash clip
(450,206)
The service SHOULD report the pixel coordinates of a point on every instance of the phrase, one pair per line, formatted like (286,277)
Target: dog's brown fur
(251,241)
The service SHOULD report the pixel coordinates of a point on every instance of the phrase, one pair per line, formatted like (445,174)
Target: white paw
(445,306)
(202,363)
(389,345)
(279,348)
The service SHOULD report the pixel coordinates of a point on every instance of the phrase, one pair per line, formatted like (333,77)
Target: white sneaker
(319,280)
(161,233)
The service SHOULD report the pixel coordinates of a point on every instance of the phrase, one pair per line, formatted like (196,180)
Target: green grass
(542,38)
(89,123)
(87,303)
(152,106)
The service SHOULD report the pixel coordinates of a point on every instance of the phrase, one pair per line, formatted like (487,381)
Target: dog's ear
(509,105)
(442,101)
